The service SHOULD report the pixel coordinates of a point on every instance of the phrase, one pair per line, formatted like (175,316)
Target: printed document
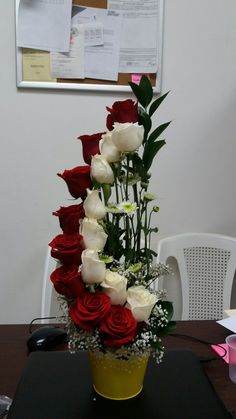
(102,61)
(36,65)
(44,24)
(70,65)
(139,35)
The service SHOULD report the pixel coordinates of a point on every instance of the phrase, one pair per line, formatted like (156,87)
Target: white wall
(193,177)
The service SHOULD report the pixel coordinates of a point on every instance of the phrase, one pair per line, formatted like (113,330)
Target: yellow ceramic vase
(117,379)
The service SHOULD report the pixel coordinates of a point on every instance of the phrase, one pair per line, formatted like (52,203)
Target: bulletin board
(121,85)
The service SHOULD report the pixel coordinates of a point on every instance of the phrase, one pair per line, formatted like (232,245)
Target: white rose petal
(114,285)
(93,205)
(93,269)
(127,137)
(101,171)
(94,237)
(108,148)
(141,302)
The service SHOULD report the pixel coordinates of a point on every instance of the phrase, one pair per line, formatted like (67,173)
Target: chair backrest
(49,302)
(206,264)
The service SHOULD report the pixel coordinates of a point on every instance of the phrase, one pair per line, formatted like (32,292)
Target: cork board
(121,85)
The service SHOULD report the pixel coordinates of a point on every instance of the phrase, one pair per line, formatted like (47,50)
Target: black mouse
(46,338)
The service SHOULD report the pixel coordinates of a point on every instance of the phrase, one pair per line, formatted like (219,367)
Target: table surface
(13,354)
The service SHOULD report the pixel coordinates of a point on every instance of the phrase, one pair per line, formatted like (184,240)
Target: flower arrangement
(106,264)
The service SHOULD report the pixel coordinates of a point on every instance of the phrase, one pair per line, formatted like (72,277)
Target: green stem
(146,243)
(127,179)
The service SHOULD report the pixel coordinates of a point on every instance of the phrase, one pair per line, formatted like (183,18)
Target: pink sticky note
(136,77)
(220,351)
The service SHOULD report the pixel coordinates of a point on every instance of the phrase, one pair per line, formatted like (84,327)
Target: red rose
(77,180)
(89,309)
(67,248)
(118,326)
(90,144)
(67,281)
(69,217)
(122,111)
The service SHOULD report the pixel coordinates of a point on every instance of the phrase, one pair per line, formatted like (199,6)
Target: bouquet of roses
(106,264)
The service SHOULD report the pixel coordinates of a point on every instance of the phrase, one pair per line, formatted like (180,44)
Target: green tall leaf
(150,151)
(157,103)
(138,164)
(143,91)
(157,132)
(145,120)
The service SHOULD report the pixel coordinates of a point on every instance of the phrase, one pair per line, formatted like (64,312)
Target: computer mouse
(46,338)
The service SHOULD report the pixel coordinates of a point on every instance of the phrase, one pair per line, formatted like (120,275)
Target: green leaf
(106,191)
(157,132)
(157,103)
(145,86)
(139,166)
(145,120)
(164,331)
(143,91)
(168,306)
(150,152)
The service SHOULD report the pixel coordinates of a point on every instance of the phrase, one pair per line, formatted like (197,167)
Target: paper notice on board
(70,65)
(102,61)
(139,35)
(44,24)
(36,65)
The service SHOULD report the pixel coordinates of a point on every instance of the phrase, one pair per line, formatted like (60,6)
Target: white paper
(229,323)
(44,24)
(70,65)
(93,34)
(102,62)
(139,35)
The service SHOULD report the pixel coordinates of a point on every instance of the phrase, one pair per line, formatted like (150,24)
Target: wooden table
(13,355)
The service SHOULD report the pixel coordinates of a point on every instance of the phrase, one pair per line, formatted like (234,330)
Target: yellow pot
(117,379)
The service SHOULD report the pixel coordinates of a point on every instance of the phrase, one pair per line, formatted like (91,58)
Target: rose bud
(67,248)
(127,137)
(118,326)
(90,145)
(69,217)
(108,148)
(114,285)
(93,205)
(67,281)
(93,269)
(101,171)
(88,310)
(77,180)
(141,302)
(94,237)
(122,111)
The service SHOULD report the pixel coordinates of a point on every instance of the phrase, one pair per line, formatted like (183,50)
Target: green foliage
(143,91)
(156,103)
(150,152)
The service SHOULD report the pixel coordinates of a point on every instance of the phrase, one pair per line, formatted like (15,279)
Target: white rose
(93,269)
(101,171)
(93,205)
(127,137)
(114,285)
(141,302)
(108,148)
(94,237)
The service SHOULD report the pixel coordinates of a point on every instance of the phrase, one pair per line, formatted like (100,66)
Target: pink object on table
(220,351)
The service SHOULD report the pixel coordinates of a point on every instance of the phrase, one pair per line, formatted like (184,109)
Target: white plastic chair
(206,264)
(49,303)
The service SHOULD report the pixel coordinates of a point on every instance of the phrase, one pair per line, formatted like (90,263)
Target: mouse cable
(44,318)
(205,342)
